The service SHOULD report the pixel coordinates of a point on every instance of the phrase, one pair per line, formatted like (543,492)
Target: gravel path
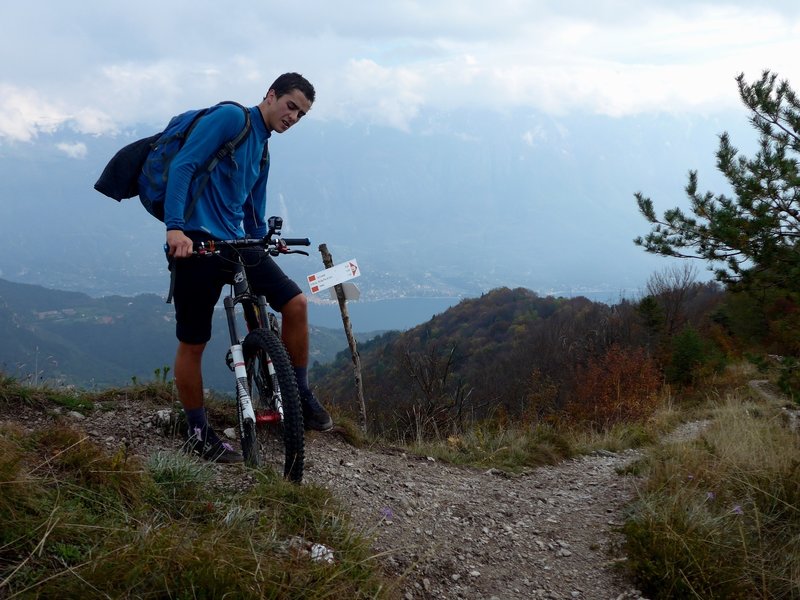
(447,531)
(461,533)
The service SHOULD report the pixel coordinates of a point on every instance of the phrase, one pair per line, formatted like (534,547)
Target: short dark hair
(293,81)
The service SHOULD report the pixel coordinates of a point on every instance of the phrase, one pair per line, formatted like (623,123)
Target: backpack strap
(171,292)
(230,146)
(227,149)
(264,156)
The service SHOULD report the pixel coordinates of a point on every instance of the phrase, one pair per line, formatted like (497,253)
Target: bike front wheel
(279,417)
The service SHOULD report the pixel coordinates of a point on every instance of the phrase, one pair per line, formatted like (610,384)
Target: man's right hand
(179,245)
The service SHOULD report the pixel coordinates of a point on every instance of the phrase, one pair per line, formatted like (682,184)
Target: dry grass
(79,522)
(719,516)
(510,449)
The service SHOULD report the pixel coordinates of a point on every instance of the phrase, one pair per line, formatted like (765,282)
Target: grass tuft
(720,514)
(510,449)
(77,522)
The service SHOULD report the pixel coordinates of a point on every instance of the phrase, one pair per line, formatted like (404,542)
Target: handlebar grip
(296,241)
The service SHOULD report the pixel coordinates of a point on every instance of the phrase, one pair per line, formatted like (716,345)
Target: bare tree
(671,288)
(440,404)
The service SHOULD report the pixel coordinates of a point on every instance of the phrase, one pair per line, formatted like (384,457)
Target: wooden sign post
(327,260)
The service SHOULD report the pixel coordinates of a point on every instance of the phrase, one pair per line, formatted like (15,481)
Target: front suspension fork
(237,357)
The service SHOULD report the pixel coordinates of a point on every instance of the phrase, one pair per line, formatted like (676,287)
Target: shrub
(620,385)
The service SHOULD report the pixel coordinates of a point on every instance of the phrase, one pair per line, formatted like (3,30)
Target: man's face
(282,113)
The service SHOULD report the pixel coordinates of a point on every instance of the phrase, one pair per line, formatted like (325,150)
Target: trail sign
(351,292)
(333,276)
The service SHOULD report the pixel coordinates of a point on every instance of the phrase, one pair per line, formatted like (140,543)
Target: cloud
(381,95)
(398,63)
(532,136)
(73,150)
(24,114)
(657,59)
(92,121)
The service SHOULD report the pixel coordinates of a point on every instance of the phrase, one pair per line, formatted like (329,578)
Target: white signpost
(334,275)
(330,278)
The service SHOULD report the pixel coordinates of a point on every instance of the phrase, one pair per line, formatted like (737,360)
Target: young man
(232,205)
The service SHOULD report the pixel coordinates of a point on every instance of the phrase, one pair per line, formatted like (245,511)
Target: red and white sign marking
(335,275)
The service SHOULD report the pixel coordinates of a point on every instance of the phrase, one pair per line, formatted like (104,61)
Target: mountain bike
(270,418)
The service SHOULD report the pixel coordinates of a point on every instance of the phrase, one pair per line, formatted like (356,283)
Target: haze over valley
(427,215)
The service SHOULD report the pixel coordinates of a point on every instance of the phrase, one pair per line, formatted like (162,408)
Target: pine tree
(750,239)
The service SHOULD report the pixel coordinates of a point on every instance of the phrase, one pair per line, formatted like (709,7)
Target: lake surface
(396,313)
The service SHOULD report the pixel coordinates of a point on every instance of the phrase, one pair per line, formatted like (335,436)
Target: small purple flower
(690,477)
(387,513)
(737,510)
(711,496)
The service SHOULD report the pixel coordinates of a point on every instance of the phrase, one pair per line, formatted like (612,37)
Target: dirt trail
(462,533)
(450,532)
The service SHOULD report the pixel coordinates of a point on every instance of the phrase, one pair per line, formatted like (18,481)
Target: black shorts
(199,281)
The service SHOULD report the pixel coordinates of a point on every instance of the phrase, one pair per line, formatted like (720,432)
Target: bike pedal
(267,417)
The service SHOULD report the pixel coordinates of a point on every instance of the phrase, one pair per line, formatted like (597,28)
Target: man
(231,205)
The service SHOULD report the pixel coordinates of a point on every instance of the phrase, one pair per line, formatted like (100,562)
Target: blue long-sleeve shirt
(233,202)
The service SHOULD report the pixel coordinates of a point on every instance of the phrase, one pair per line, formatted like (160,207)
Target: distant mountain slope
(530,201)
(70,337)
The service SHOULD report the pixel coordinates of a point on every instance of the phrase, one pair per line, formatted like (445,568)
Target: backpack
(142,167)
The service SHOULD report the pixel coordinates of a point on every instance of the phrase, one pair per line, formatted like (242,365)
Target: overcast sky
(97,66)
(541,118)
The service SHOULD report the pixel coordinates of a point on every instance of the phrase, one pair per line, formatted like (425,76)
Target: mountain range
(524,200)
(53,336)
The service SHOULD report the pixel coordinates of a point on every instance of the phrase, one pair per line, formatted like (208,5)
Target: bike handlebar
(273,245)
(296,241)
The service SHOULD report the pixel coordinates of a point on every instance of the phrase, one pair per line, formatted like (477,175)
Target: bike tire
(250,443)
(280,441)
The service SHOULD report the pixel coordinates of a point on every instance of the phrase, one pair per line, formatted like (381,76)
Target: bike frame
(272,364)
(253,307)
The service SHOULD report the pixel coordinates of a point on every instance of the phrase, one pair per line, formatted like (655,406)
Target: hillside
(399,524)
(511,353)
(437,530)
(68,337)
(71,338)
(498,351)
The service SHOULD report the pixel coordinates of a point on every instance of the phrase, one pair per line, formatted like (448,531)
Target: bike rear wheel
(279,417)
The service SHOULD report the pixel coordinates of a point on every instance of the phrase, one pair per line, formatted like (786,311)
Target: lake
(367,316)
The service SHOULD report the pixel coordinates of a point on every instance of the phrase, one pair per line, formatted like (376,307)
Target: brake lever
(285,250)
(282,248)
